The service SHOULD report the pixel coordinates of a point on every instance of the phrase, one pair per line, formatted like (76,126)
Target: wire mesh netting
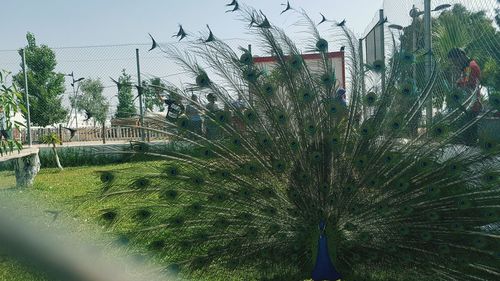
(401,176)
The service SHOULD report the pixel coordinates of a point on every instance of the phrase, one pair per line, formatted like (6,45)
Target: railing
(115,133)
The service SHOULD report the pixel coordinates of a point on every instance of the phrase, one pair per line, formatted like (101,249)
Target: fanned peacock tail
(296,164)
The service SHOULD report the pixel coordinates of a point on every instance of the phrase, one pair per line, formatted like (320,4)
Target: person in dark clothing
(174,106)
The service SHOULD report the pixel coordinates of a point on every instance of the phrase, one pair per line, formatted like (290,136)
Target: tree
(52,139)
(9,101)
(126,107)
(456,28)
(45,86)
(91,101)
(153,88)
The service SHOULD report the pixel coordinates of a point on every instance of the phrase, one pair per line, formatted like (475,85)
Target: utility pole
(428,57)
(382,44)
(250,95)
(139,90)
(414,38)
(75,95)
(28,116)
(362,71)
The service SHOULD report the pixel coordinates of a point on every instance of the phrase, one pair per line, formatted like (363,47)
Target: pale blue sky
(63,23)
(99,22)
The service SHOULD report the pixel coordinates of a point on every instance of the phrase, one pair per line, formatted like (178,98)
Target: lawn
(64,192)
(54,192)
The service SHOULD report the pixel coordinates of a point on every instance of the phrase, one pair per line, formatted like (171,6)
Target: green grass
(65,192)
(53,191)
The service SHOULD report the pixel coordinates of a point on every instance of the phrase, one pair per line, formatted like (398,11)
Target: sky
(60,23)
(121,26)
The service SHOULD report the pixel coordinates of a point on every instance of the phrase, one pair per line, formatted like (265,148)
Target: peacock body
(288,182)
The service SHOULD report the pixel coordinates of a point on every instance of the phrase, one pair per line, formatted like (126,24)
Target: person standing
(469,81)
(193,114)
(3,124)
(211,129)
(470,76)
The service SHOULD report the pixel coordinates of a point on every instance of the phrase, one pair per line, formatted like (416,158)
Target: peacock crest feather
(287,182)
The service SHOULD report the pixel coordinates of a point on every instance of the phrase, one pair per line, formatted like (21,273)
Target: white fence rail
(113,133)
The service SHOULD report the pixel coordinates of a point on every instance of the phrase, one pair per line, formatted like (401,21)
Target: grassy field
(53,191)
(64,192)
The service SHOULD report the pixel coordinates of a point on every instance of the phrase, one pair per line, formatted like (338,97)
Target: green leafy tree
(473,31)
(126,107)
(91,101)
(45,86)
(9,101)
(153,88)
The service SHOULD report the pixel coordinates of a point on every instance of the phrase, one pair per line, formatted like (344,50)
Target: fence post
(362,71)
(428,57)
(60,133)
(103,133)
(139,92)
(382,43)
(28,116)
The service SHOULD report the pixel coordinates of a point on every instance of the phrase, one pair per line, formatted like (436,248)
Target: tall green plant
(126,107)
(52,139)
(10,99)
(92,101)
(45,85)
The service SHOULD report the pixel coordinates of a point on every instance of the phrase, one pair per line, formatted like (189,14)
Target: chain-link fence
(106,64)
(463,27)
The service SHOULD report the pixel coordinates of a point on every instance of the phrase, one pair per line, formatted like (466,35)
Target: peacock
(284,179)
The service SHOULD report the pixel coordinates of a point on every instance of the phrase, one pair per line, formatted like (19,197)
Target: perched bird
(154,44)
(342,49)
(342,23)
(306,180)
(323,19)
(181,34)
(288,7)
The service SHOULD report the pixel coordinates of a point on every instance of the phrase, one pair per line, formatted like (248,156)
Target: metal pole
(139,90)
(75,92)
(28,115)
(250,95)
(414,42)
(414,131)
(428,57)
(382,44)
(362,71)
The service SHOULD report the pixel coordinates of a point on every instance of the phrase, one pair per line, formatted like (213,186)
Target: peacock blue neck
(324,268)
